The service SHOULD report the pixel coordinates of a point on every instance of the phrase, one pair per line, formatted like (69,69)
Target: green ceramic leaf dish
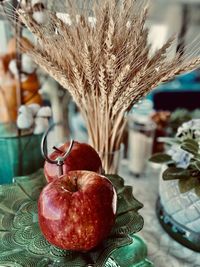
(23,245)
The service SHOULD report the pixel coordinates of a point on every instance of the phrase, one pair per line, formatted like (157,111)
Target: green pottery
(19,155)
(23,245)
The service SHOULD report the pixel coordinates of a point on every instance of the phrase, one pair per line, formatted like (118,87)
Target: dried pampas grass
(105,65)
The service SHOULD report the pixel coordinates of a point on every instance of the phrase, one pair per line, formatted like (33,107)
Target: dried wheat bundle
(102,56)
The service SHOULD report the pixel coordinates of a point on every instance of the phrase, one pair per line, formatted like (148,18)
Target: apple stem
(60,163)
(57,149)
(61,170)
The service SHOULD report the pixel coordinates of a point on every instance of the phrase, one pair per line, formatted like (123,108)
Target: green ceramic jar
(18,155)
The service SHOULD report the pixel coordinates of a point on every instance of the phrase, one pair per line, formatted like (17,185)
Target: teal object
(19,155)
(179,232)
(183,83)
(133,255)
(23,245)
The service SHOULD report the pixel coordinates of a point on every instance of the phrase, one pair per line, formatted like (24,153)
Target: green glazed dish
(23,245)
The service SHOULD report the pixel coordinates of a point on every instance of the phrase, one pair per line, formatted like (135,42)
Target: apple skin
(81,157)
(77,211)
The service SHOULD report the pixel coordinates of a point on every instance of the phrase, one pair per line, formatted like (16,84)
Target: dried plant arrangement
(104,62)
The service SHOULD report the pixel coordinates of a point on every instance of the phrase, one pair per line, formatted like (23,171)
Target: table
(163,251)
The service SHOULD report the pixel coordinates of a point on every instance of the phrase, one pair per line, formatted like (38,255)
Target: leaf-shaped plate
(22,244)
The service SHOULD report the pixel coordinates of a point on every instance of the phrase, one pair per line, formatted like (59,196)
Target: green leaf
(169,140)
(192,142)
(185,185)
(173,173)
(191,146)
(197,165)
(160,158)
(197,157)
(197,189)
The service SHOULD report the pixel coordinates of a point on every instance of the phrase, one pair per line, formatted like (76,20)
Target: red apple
(77,211)
(81,157)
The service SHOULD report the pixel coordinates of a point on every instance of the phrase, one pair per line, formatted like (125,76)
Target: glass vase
(111,160)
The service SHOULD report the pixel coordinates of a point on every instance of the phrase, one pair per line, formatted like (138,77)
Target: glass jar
(141,138)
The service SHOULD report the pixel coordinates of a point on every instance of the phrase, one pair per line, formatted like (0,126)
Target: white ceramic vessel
(183,208)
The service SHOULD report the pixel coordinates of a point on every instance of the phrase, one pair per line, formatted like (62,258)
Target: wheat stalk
(106,67)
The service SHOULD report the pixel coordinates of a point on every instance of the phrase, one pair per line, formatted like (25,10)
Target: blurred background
(167,105)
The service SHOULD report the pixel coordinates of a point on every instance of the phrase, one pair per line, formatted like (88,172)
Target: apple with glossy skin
(81,157)
(77,211)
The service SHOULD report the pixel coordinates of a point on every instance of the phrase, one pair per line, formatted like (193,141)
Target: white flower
(181,157)
(25,110)
(193,124)
(190,129)
(41,125)
(34,108)
(45,112)
(34,116)
(25,121)
(28,65)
